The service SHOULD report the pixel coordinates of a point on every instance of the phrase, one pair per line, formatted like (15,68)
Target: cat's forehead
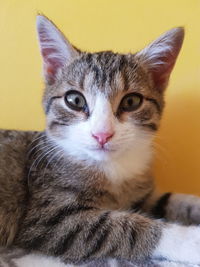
(106,72)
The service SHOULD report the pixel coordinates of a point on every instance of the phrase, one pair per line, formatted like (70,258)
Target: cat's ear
(55,48)
(160,56)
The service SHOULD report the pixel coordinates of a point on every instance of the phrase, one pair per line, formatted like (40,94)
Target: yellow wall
(121,25)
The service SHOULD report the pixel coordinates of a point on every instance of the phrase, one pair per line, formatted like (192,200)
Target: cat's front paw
(179,243)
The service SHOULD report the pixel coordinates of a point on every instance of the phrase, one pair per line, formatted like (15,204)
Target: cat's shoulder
(17,137)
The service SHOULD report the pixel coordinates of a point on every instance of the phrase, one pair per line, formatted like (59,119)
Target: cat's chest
(127,194)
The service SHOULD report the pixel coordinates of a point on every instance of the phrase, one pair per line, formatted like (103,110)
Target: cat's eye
(131,102)
(75,100)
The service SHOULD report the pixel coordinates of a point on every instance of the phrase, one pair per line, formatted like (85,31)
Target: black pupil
(77,101)
(130,102)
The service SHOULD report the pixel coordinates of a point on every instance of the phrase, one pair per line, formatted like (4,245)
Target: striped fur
(63,195)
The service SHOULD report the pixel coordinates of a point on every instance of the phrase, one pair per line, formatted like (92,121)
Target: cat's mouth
(102,153)
(103,149)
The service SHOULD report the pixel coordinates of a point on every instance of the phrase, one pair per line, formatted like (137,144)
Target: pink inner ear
(50,74)
(53,48)
(162,54)
(162,72)
(50,55)
(52,63)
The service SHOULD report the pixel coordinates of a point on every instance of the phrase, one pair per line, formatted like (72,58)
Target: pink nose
(102,138)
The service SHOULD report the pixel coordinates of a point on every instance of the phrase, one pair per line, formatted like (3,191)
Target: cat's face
(104,106)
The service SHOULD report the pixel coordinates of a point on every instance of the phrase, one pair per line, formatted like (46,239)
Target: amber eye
(75,100)
(131,102)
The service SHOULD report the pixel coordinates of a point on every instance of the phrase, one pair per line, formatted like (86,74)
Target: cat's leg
(9,221)
(13,191)
(77,233)
(173,207)
(12,206)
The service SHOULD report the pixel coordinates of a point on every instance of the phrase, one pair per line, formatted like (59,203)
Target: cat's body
(83,189)
(30,179)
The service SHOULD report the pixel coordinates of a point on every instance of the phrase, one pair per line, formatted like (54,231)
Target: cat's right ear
(55,48)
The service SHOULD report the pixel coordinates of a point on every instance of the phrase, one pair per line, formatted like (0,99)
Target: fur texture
(67,194)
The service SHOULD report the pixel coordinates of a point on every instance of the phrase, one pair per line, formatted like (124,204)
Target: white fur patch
(113,263)
(180,243)
(102,119)
(36,260)
(127,154)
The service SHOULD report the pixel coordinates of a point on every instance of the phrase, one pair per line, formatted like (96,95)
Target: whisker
(45,155)
(162,154)
(58,160)
(41,135)
(37,145)
(39,158)
(42,147)
(50,160)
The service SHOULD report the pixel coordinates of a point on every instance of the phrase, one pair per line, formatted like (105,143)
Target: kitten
(83,189)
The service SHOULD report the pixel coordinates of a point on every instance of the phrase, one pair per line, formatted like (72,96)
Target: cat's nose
(102,138)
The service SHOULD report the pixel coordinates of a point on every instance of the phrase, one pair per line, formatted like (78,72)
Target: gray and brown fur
(52,203)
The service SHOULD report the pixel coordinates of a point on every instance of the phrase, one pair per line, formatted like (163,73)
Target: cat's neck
(116,170)
(126,167)
(119,169)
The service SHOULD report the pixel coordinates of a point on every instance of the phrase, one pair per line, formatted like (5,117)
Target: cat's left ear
(55,48)
(160,56)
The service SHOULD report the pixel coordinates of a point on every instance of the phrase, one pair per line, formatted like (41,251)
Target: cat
(83,189)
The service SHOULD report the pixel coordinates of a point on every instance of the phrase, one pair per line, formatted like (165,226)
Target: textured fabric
(20,258)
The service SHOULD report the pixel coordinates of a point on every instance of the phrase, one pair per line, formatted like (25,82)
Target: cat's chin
(102,154)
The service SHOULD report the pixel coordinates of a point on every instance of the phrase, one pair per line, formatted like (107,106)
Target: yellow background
(120,25)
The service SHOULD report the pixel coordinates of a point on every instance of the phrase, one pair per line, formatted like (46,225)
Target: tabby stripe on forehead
(126,81)
(50,103)
(60,215)
(155,102)
(97,73)
(159,210)
(66,242)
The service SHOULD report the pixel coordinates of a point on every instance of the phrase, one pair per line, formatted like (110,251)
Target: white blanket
(20,258)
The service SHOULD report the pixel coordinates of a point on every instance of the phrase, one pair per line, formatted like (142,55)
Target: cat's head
(105,105)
